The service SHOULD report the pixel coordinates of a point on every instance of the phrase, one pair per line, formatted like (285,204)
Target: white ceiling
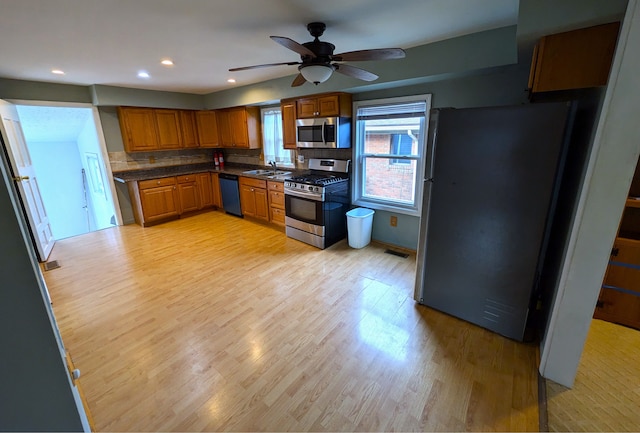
(109,41)
(53,124)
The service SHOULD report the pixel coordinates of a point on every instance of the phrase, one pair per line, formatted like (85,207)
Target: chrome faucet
(273,164)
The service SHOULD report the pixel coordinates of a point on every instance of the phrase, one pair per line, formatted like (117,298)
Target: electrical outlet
(152,159)
(394,221)
(300,159)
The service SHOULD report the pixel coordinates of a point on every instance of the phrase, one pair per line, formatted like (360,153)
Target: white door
(25,178)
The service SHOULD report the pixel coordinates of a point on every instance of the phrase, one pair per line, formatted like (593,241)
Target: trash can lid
(360,212)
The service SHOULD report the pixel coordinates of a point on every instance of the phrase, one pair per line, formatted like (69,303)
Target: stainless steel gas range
(316,204)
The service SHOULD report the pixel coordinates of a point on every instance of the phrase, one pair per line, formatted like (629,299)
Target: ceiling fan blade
(354,72)
(377,54)
(293,46)
(298,81)
(244,68)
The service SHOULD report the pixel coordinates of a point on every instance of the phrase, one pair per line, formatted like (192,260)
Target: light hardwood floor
(218,323)
(606,393)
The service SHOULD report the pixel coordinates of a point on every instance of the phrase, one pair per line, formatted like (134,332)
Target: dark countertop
(177,170)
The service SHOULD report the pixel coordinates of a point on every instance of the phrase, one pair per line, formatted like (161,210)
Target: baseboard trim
(393,247)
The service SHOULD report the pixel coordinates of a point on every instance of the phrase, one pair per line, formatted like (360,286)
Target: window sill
(387,207)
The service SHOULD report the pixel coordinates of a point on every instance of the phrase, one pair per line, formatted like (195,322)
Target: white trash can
(359,224)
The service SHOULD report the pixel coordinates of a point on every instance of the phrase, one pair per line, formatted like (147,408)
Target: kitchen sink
(271,174)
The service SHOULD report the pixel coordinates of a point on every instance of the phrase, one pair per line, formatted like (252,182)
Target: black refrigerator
(491,185)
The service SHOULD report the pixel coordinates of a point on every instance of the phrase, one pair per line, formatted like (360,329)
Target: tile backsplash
(120,161)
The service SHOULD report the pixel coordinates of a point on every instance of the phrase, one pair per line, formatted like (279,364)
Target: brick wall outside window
(386,179)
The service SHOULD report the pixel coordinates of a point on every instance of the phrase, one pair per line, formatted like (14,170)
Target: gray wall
(35,391)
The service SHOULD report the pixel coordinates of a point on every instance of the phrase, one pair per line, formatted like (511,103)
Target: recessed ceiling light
(143,74)
(167,62)
(57,71)
(231,80)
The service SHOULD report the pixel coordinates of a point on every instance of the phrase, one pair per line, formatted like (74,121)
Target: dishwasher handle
(228,176)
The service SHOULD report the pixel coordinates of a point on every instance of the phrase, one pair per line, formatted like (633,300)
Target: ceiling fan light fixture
(316,74)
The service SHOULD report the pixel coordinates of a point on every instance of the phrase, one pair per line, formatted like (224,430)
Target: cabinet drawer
(186,178)
(256,183)
(276,199)
(277,216)
(152,183)
(275,186)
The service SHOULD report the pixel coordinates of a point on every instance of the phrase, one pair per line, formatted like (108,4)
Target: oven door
(304,211)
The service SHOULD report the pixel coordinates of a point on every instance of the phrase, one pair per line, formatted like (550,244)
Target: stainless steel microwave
(324,132)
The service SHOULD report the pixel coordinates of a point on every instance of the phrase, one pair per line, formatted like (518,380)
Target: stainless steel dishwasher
(230,194)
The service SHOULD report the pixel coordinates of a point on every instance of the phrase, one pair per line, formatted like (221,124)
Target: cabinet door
(215,189)
(224,128)
(619,299)
(238,125)
(189,129)
(247,200)
(307,107)
(138,128)
(169,132)
(329,106)
(203,180)
(262,204)
(288,111)
(159,203)
(207,126)
(574,59)
(188,196)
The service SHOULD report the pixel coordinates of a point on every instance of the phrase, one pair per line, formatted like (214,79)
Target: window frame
(359,156)
(263,111)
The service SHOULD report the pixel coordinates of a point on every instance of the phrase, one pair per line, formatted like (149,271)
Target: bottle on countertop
(221,161)
(216,159)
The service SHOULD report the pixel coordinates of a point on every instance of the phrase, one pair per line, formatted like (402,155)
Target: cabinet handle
(158,182)
(252,189)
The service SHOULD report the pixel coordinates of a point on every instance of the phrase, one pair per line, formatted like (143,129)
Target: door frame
(101,141)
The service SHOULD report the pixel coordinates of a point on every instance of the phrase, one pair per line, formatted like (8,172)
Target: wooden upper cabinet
(169,130)
(573,60)
(329,105)
(189,129)
(288,111)
(138,128)
(224,128)
(240,127)
(207,126)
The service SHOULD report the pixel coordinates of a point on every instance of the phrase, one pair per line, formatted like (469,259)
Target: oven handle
(303,194)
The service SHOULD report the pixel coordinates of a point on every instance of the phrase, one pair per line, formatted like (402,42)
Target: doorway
(67,149)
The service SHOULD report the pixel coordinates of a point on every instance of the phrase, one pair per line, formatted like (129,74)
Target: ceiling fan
(318,61)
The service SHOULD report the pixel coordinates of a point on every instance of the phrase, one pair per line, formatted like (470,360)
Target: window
(401,144)
(272,149)
(390,148)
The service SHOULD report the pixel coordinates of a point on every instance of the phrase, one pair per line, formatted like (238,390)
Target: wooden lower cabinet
(215,190)
(276,202)
(205,192)
(163,199)
(154,200)
(253,198)
(188,193)
(619,299)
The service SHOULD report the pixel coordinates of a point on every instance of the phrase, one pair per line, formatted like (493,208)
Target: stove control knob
(310,188)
